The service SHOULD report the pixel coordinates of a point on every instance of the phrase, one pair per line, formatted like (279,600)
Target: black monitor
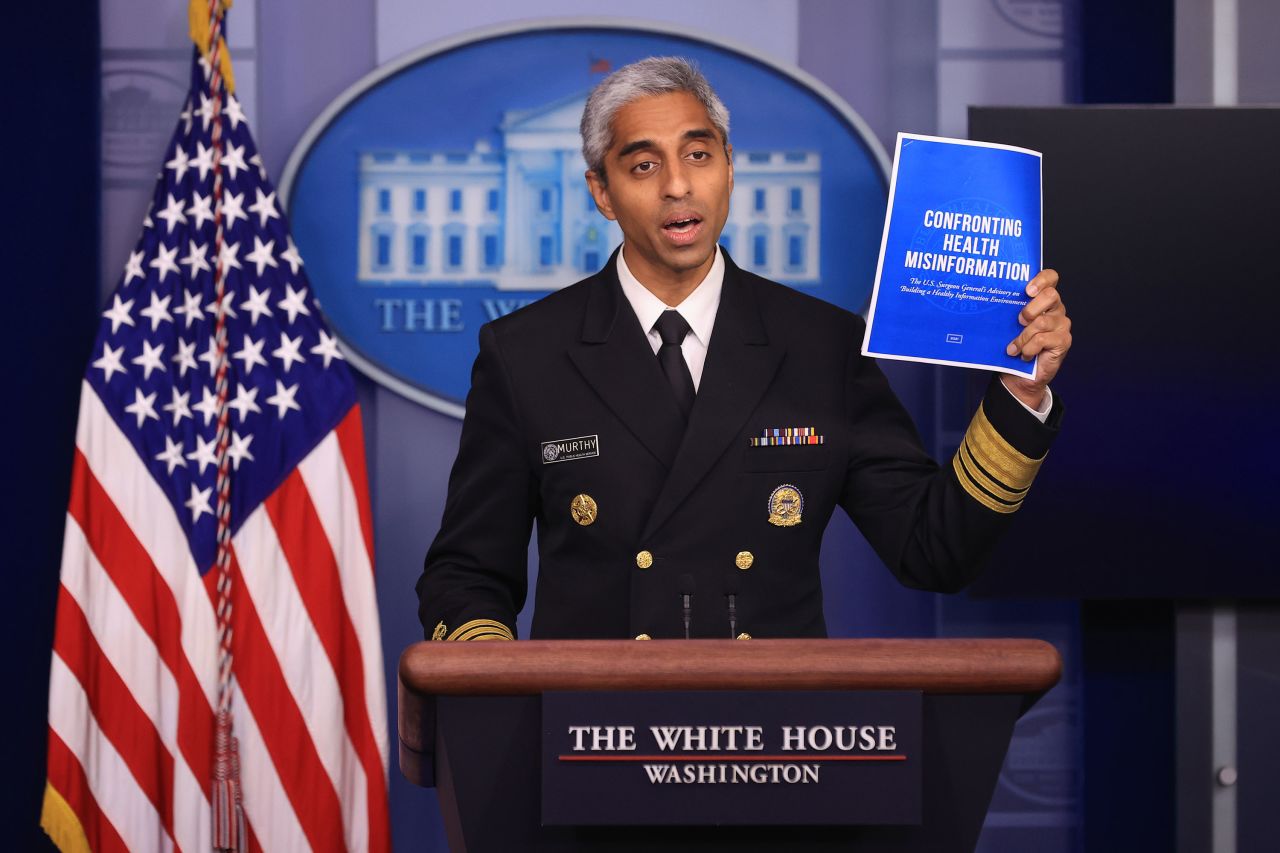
(1165,482)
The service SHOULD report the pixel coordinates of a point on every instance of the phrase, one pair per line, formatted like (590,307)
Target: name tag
(569,449)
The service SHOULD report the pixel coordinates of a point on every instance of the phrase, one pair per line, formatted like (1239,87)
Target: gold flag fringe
(60,823)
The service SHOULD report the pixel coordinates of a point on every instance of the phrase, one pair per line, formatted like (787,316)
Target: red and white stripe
(134,675)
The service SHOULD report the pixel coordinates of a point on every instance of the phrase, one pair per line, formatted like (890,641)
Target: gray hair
(657,75)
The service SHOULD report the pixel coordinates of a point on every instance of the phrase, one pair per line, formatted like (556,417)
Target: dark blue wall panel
(1124,51)
(50,239)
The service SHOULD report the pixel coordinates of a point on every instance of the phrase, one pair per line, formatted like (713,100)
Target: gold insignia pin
(744,560)
(583,509)
(440,632)
(786,506)
(644,560)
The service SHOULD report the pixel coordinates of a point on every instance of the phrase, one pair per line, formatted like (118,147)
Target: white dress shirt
(699,311)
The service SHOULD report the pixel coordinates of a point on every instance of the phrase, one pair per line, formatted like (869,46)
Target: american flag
(135,673)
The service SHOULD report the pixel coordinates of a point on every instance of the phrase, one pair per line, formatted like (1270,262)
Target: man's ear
(728,153)
(600,192)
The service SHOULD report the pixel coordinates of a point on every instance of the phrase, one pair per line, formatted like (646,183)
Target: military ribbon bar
(786,436)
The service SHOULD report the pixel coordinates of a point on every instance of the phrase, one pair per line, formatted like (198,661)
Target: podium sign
(667,758)
(488,724)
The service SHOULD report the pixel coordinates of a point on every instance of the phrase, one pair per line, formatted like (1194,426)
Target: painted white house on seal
(521,218)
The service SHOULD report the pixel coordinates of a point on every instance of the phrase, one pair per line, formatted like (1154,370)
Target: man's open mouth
(681,223)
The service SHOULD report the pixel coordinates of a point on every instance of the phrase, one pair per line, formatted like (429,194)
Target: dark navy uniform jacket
(672,499)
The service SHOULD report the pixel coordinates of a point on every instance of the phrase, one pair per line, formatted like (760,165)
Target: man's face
(669,180)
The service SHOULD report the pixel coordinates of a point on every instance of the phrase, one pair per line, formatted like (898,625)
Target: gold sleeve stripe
(982,478)
(992,470)
(977,492)
(481,629)
(997,456)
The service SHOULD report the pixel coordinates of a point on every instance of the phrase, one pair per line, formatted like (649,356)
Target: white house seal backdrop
(446,189)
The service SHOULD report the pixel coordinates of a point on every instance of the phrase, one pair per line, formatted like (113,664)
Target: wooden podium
(470,725)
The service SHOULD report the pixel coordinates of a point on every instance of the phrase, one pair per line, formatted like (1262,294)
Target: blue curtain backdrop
(50,251)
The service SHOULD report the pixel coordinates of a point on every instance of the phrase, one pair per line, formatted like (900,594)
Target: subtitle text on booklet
(962,237)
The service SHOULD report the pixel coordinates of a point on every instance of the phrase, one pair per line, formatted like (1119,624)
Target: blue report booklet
(962,237)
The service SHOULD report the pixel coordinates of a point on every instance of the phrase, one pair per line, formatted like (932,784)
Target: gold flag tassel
(228,815)
(241,834)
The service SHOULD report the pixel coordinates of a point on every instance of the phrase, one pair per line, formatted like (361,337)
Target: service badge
(786,506)
(583,509)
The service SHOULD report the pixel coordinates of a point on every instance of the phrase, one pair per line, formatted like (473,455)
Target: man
(655,477)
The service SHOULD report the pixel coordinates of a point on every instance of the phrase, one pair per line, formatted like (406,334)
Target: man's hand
(1047,335)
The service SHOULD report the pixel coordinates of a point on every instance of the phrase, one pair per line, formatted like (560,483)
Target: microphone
(687,586)
(731,589)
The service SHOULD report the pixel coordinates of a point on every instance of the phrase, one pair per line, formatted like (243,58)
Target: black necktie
(672,328)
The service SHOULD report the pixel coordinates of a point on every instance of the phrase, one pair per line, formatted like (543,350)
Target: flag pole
(228,813)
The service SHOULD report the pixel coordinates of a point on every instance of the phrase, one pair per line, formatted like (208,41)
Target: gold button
(583,509)
(644,559)
(643,637)
(744,636)
(744,560)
